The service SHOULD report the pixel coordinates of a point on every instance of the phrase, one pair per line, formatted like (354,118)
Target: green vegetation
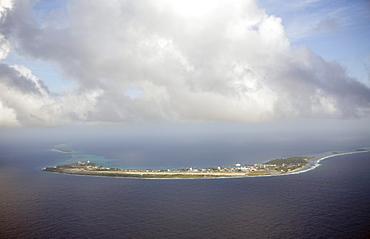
(360,150)
(78,165)
(285,165)
(291,160)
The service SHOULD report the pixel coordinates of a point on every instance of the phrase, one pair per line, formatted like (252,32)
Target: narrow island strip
(64,150)
(273,167)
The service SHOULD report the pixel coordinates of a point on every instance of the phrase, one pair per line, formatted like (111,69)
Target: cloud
(25,100)
(224,62)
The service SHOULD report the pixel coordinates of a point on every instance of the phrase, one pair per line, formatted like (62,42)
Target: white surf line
(317,164)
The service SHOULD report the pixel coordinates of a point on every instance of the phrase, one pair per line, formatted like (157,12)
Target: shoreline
(90,169)
(273,167)
(308,168)
(174,175)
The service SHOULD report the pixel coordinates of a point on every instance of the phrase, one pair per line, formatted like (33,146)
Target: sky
(243,62)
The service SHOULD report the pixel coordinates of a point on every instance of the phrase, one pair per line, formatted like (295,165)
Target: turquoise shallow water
(74,157)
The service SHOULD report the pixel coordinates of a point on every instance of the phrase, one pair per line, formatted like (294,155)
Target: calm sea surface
(331,201)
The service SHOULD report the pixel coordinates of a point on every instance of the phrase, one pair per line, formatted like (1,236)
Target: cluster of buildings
(264,168)
(239,168)
(253,168)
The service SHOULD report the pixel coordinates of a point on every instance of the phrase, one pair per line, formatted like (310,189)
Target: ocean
(330,201)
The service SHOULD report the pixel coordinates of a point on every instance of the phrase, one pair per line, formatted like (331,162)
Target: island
(64,150)
(273,167)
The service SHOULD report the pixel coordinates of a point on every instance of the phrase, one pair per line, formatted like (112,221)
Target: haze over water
(162,84)
(198,145)
(330,201)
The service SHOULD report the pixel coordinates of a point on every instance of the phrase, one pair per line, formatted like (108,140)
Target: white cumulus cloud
(223,61)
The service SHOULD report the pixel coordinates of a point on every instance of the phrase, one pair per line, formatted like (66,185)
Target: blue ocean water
(331,201)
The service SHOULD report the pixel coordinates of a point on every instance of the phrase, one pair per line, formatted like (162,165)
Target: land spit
(273,167)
